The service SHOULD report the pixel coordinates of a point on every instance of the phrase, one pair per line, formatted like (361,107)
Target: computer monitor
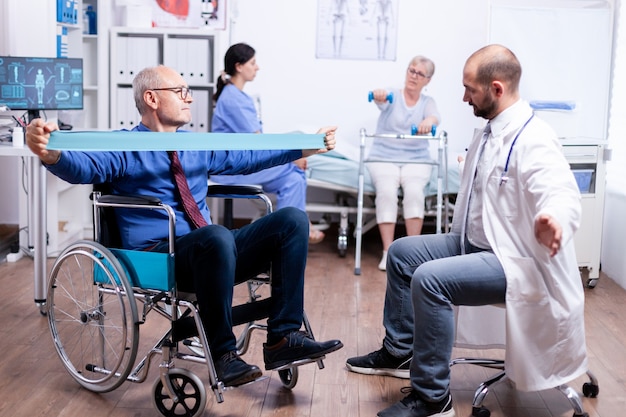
(34,84)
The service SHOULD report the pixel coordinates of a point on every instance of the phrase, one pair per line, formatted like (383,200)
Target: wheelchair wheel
(480,412)
(189,390)
(92,316)
(289,377)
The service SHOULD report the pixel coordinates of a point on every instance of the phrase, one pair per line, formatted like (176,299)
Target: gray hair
(428,63)
(146,79)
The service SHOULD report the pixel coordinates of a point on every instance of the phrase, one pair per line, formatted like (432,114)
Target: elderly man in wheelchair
(209,259)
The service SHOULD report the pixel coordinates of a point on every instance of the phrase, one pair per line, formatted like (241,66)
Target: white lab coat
(544,320)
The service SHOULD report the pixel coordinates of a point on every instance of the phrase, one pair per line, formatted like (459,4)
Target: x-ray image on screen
(41,83)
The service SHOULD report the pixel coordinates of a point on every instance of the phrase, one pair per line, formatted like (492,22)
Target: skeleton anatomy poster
(357,29)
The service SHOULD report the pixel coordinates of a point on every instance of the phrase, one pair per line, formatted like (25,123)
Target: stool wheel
(590,390)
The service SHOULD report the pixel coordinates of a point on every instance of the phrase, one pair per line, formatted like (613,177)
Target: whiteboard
(565,54)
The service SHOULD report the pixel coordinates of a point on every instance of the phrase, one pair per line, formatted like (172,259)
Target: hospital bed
(349,183)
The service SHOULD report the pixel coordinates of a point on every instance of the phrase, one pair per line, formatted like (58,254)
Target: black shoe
(296,346)
(380,362)
(233,371)
(413,406)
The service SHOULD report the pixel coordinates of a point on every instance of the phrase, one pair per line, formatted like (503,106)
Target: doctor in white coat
(511,243)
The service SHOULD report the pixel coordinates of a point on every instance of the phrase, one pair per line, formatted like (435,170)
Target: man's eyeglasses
(183,92)
(416,73)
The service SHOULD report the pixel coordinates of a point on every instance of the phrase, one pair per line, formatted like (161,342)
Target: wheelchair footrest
(255,310)
(254,381)
(184,328)
(301,362)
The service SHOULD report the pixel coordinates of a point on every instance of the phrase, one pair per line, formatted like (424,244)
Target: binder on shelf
(74,12)
(200,111)
(62,42)
(127,115)
(120,60)
(60,10)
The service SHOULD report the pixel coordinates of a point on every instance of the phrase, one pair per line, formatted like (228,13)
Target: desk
(37,224)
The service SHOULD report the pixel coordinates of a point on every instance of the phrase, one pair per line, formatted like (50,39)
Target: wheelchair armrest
(139,200)
(221,190)
(231,192)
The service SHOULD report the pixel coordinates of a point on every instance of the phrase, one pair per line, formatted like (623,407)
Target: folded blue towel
(553,105)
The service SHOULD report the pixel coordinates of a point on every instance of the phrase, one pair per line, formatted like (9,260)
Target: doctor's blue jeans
(211,260)
(426,276)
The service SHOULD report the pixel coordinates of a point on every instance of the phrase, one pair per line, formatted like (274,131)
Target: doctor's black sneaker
(413,406)
(380,362)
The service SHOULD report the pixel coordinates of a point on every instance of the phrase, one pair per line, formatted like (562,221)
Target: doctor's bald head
(496,63)
(491,79)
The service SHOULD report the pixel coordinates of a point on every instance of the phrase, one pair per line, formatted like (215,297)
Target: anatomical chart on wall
(357,29)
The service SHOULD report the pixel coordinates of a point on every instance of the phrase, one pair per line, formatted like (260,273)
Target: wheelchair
(99,297)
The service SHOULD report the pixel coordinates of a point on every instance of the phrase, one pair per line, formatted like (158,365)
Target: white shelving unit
(190,51)
(94,50)
(589,157)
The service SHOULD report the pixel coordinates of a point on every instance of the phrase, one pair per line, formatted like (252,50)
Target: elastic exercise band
(182,141)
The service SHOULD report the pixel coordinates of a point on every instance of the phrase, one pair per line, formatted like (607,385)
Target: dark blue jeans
(211,260)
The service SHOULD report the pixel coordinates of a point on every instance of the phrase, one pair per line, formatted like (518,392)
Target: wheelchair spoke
(92,320)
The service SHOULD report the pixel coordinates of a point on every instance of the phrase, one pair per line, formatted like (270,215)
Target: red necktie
(190,207)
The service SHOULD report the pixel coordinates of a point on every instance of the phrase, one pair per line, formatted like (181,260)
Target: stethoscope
(504,177)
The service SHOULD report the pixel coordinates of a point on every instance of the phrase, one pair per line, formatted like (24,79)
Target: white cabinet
(588,162)
(189,51)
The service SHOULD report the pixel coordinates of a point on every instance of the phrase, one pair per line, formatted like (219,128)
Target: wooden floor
(339,305)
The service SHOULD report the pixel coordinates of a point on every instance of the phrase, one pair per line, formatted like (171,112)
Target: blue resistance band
(181,141)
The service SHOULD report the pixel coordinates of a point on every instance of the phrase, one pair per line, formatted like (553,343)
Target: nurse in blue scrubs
(235,112)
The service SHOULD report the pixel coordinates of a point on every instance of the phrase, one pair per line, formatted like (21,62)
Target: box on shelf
(67,11)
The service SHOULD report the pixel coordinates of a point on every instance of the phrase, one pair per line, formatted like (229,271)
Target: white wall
(300,92)
(614,230)
(34,38)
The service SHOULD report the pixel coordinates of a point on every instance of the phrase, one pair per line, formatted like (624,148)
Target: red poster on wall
(189,13)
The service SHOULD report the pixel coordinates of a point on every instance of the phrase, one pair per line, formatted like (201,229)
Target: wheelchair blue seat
(145,270)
